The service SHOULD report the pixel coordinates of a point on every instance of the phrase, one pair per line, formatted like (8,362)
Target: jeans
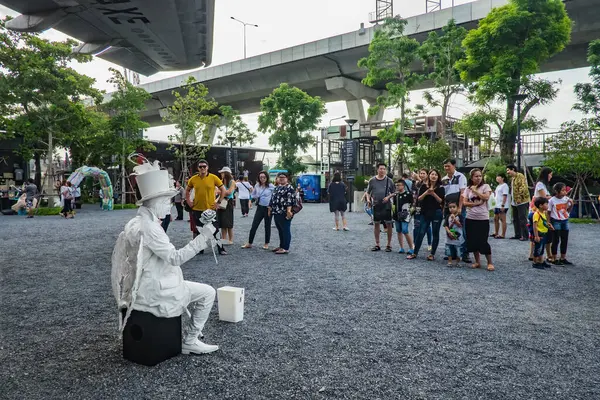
(434,223)
(561,233)
(416,223)
(262,213)
(245,203)
(538,250)
(402,227)
(284,227)
(519,215)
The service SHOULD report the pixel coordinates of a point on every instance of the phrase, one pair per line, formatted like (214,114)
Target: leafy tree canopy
(235,127)
(588,94)
(289,115)
(193,114)
(504,52)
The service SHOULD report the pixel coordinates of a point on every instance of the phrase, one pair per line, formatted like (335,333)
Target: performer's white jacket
(162,291)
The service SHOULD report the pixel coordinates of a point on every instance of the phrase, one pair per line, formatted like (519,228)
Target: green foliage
(440,53)
(289,115)
(588,94)
(124,206)
(494,167)
(428,154)
(38,90)
(391,55)
(575,151)
(504,52)
(47,211)
(235,127)
(193,114)
(359,182)
(124,108)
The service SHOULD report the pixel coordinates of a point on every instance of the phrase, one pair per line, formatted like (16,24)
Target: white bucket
(231,303)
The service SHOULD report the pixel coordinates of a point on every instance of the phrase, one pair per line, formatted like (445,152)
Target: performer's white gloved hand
(204,239)
(208,231)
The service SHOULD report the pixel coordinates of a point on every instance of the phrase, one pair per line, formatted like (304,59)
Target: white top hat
(153,182)
(225,169)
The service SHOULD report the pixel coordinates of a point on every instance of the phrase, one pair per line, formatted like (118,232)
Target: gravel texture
(329,320)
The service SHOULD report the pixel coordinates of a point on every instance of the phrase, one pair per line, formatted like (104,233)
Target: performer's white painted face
(161,206)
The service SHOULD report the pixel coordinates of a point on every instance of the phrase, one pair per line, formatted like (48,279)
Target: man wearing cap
(146,273)
(204,184)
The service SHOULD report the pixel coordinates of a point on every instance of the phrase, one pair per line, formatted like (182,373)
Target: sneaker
(538,266)
(466,260)
(411,251)
(198,347)
(546,265)
(401,251)
(558,262)
(370,223)
(346,229)
(566,262)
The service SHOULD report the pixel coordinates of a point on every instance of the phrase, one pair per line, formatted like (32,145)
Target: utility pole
(245,24)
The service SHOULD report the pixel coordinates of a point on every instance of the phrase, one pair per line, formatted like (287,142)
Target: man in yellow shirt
(204,184)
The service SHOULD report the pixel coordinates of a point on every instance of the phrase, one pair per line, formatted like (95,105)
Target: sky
(285,23)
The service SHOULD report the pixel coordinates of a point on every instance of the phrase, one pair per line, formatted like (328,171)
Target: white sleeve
(158,242)
(504,190)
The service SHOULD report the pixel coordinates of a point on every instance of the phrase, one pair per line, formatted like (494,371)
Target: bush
(48,211)
(359,182)
(124,206)
(492,169)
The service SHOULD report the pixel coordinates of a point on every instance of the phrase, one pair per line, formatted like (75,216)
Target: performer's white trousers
(201,302)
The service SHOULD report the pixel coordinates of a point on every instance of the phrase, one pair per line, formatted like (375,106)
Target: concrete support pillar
(356,110)
(378,117)
(211,133)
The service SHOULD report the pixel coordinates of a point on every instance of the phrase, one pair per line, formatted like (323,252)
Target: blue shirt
(263,194)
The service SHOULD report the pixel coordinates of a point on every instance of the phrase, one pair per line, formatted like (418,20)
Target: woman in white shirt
(66,197)
(501,208)
(244,189)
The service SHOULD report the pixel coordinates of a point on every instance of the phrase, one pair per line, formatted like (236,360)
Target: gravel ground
(329,320)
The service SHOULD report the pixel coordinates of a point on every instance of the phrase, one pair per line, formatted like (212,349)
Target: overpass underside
(328,68)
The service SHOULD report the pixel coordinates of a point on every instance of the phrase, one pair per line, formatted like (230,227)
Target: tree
(588,94)
(575,152)
(289,115)
(391,55)
(504,52)
(235,127)
(126,125)
(193,114)
(429,154)
(440,53)
(90,139)
(38,91)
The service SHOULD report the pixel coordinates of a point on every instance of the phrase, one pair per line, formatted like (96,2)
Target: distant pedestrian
(379,193)
(431,199)
(244,193)
(519,194)
(282,201)
(263,190)
(178,200)
(403,201)
(501,208)
(540,232)
(455,184)
(337,191)
(31,191)
(225,214)
(541,190)
(66,197)
(421,179)
(560,208)
(477,222)
(453,224)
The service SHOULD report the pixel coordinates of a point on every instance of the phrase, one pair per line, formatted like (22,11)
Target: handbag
(296,208)
(223,204)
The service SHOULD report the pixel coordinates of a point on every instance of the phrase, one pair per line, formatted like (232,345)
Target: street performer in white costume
(145,273)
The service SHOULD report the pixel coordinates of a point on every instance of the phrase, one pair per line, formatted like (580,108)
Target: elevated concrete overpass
(328,67)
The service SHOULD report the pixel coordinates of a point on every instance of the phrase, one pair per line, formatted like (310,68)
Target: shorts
(453,251)
(560,225)
(382,215)
(402,227)
(538,249)
(498,211)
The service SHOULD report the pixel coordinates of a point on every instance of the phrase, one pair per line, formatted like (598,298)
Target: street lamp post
(231,139)
(519,98)
(245,24)
(351,122)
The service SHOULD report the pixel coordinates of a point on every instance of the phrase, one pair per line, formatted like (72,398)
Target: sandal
(281,251)
(266,247)
(499,237)
(375,248)
(388,249)
(247,246)
(475,266)
(223,253)
(490,267)
(450,265)
(411,256)
(493,235)
(430,257)
(275,250)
